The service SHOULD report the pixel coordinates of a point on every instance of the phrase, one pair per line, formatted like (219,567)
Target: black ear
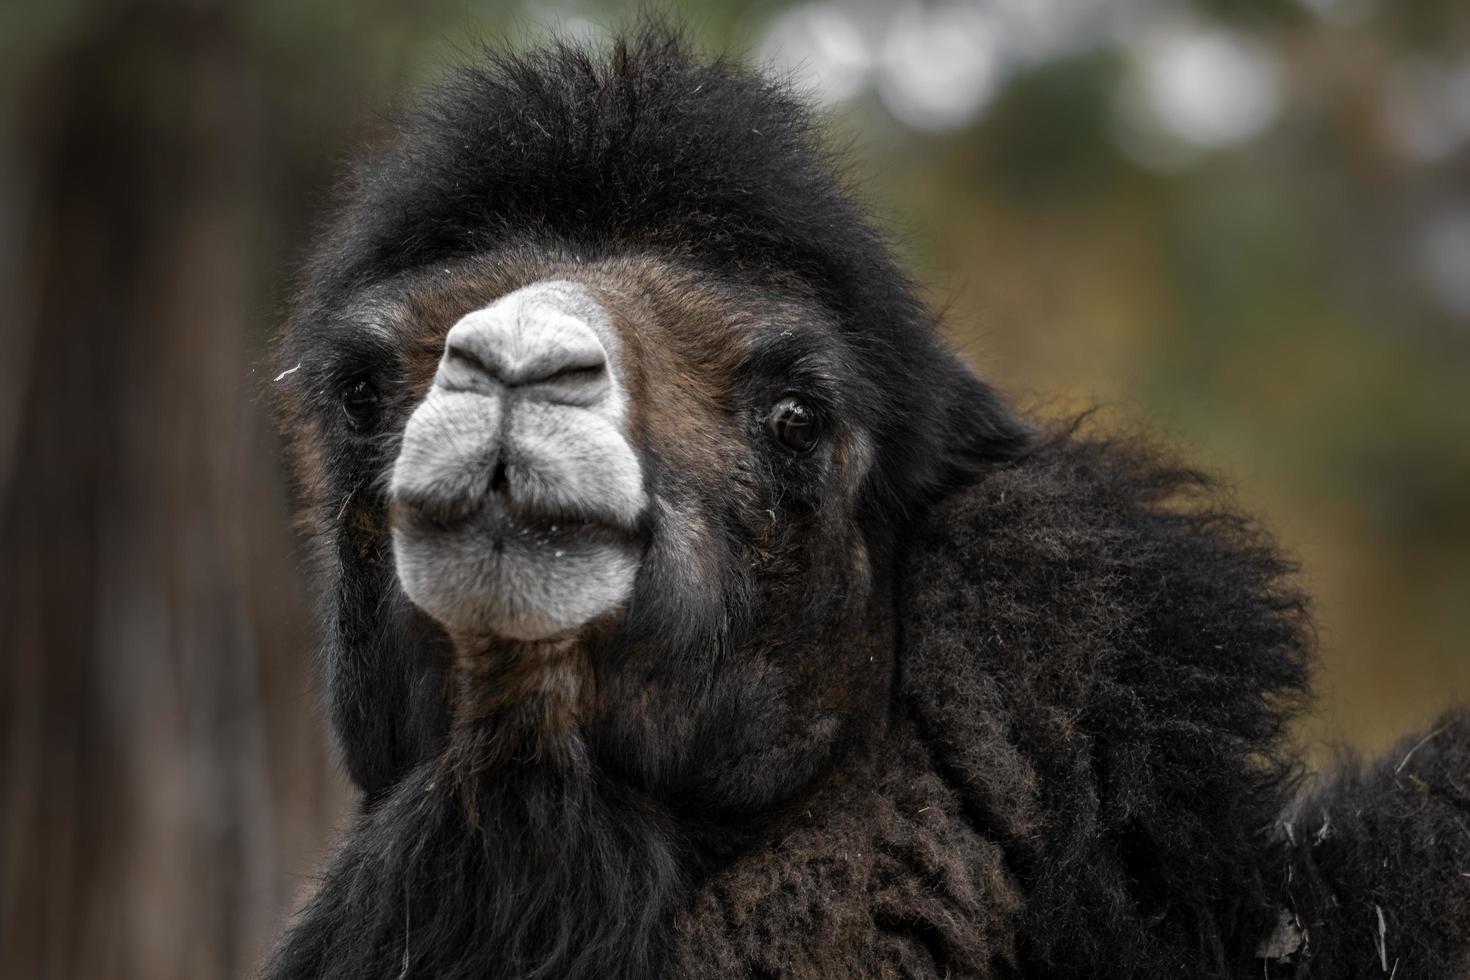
(980,431)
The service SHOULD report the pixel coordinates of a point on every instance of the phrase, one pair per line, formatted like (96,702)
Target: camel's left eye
(360,403)
(795,425)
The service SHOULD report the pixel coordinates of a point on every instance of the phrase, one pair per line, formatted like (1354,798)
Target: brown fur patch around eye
(681,359)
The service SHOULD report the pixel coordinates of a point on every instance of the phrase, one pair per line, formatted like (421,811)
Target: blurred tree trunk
(150,614)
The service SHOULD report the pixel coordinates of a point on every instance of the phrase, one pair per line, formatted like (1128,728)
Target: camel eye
(360,403)
(794,425)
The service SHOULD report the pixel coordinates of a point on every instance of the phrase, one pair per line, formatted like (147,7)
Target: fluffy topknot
(644,147)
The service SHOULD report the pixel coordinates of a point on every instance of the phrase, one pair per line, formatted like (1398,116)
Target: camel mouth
(490,577)
(498,523)
(511,504)
(517,499)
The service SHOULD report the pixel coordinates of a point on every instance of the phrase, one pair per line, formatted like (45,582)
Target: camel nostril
(498,480)
(536,343)
(581,374)
(468,359)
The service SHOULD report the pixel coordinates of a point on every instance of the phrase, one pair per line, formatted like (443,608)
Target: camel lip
(496,571)
(502,518)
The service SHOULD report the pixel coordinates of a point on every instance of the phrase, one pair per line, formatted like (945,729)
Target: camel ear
(980,430)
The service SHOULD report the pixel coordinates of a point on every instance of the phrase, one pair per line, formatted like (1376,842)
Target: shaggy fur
(943,698)
(1375,874)
(1112,680)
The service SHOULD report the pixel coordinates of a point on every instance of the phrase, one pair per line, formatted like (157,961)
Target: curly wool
(1099,664)
(1112,683)
(1373,865)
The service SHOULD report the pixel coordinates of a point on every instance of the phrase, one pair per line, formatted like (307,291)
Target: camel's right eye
(360,403)
(794,425)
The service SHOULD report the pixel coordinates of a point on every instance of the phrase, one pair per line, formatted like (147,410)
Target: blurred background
(1247,223)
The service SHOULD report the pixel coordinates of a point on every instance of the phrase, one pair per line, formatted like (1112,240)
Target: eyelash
(360,402)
